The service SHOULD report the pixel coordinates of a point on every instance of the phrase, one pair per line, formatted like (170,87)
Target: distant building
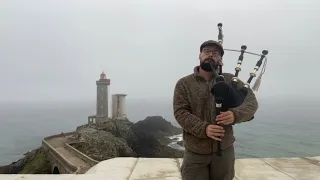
(102,101)
(102,112)
(118,106)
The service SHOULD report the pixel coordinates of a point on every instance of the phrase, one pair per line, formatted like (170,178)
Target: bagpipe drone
(229,95)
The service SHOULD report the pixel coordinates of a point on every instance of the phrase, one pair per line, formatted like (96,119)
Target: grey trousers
(208,167)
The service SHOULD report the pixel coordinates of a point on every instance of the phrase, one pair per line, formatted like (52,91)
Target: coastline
(39,164)
(276,136)
(160,143)
(174,142)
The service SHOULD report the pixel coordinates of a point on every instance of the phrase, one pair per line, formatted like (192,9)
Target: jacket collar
(198,75)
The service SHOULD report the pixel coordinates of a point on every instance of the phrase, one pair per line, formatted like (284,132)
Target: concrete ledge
(314,160)
(59,135)
(288,166)
(156,168)
(63,160)
(169,169)
(55,177)
(246,169)
(256,169)
(117,168)
(82,156)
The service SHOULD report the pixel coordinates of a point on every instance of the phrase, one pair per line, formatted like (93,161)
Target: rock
(102,145)
(13,168)
(180,143)
(114,138)
(168,152)
(122,138)
(157,126)
(34,162)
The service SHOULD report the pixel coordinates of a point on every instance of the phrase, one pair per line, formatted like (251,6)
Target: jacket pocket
(197,145)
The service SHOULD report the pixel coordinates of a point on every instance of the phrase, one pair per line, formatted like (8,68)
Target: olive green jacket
(194,110)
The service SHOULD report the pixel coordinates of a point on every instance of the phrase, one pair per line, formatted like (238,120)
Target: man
(194,110)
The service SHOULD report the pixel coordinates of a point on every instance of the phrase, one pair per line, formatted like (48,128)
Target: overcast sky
(56,50)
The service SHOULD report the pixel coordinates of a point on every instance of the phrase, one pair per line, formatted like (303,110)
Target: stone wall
(59,135)
(64,166)
(81,155)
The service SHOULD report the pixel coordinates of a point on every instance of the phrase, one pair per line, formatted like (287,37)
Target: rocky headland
(113,138)
(34,162)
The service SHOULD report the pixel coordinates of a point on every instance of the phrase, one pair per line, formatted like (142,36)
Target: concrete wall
(59,135)
(92,119)
(82,156)
(306,168)
(57,160)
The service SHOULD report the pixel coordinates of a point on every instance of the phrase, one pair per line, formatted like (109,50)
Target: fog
(56,50)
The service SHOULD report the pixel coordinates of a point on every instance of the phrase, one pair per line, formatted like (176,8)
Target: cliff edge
(34,162)
(122,138)
(114,138)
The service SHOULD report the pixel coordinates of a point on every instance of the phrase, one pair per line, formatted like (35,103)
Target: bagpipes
(228,95)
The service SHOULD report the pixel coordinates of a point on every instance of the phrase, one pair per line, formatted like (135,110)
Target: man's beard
(209,65)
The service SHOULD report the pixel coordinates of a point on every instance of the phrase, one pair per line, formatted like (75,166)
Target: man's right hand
(215,132)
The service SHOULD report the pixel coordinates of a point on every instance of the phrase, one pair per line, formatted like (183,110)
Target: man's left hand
(225,118)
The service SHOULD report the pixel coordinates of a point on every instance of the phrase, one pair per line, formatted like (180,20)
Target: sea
(283,127)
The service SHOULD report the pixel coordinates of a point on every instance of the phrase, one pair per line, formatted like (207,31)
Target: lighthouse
(102,109)
(102,98)
(118,106)
(102,101)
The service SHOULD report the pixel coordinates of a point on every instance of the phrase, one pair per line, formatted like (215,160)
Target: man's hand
(215,132)
(225,118)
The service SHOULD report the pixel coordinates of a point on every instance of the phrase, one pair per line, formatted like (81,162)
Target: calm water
(282,128)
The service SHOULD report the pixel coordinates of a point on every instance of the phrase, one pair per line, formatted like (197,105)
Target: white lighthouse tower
(118,106)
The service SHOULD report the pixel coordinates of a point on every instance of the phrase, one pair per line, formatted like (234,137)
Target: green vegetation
(34,162)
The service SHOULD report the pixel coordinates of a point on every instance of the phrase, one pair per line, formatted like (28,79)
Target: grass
(36,163)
